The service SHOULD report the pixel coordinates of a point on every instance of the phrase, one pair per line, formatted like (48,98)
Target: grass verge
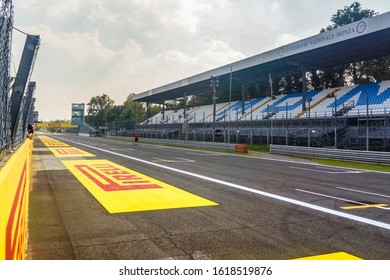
(358,165)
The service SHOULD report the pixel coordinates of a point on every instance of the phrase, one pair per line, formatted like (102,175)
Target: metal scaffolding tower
(16,94)
(6,25)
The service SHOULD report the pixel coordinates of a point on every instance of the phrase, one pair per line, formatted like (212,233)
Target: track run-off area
(96,198)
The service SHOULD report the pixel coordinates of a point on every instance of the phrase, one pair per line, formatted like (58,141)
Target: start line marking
(247,189)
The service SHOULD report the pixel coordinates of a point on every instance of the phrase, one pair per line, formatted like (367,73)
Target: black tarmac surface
(270,207)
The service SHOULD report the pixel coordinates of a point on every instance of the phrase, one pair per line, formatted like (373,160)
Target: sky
(117,47)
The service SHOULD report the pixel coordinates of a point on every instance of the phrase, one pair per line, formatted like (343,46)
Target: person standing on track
(136,139)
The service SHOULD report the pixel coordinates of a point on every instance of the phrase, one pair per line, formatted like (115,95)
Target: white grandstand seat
(322,105)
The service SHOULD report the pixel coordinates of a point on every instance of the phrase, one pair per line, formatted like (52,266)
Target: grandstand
(353,116)
(339,114)
(349,101)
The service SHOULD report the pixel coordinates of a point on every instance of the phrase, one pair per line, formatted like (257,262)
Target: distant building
(78,110)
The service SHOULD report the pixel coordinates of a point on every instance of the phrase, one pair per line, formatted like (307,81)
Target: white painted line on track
(369,193)
(247,189)
(341,199)
(359,191)
(185,159)
(333,197)
(178,160)
(208,154)
(326,171)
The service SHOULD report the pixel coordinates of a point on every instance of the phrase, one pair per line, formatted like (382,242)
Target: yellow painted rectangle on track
(69,152)
(50,142)
(332,256)
(120,189)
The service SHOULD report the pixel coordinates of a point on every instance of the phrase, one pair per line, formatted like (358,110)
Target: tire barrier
(15,179)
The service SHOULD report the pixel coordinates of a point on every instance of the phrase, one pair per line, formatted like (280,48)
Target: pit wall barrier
(15,179)
(215,146)
(239,148)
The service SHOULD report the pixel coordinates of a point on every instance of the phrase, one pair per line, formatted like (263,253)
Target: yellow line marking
(363,206)
(120,189)
(332,256)
(69,152)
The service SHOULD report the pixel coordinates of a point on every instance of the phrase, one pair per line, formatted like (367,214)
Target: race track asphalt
(267,207)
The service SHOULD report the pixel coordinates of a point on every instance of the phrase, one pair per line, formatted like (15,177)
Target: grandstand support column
(147,111)
(251,140)
(304,70)
(268,126)
(335,122)
(286,123)
(185,107)
(367,127)
(270,86)
(214,83)
(230,100)
(309,127)
(242,99)
(163,110)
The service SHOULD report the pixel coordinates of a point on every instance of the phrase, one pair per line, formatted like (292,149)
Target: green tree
(98,109)
(155,109)
(133,111)
(358,72)
(349,14)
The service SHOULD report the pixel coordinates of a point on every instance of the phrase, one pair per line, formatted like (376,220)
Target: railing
(189,144)
(341,154)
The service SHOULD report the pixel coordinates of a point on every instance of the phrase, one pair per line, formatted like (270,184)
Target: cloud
(91,47)
(127,55)
(285,38)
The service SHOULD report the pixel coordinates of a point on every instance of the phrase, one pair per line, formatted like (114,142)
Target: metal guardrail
(341,154)
(189,144)
(194,144)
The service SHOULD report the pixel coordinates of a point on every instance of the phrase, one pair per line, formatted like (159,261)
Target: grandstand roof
(361,40)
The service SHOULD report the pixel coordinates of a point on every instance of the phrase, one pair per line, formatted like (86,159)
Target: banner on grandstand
(339,34)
